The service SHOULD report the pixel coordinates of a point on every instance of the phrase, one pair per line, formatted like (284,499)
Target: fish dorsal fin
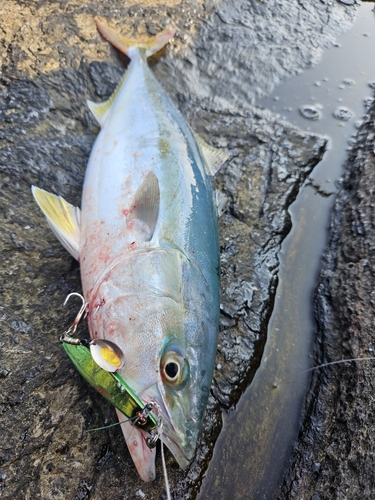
(145,203)
(149,46)
(100,110)
(221,201)
(63,218)
(214,158)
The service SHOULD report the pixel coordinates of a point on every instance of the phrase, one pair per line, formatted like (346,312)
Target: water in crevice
(329,99)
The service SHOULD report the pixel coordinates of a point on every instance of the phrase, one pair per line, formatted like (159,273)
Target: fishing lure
(96,360)
(146,237)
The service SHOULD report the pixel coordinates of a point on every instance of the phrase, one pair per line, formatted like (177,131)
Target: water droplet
(310,112)
(317,84)
(343,114)
(348,81)
(371,85)
(347,2)
(367,101)
(358,123)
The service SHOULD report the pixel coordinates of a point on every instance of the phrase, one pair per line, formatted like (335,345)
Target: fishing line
(336,363)
(330,363)
(111,425)
(165,472)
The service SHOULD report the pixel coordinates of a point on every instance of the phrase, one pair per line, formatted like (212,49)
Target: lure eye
(174,368)
(107,355)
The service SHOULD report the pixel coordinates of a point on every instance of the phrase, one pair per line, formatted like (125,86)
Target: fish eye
(171,370)
(174,368)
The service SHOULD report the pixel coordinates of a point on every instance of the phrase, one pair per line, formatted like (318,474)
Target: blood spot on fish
(135,443)
(128,211)
(132,245)
(104,254)
(99,304)
(115,143)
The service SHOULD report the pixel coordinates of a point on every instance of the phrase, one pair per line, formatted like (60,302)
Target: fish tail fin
(125,45)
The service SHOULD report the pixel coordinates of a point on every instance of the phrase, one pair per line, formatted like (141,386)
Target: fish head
(181,392)
(166,361)
(166,327)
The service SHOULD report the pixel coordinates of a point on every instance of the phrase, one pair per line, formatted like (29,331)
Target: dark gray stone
(217,65)
(338,424)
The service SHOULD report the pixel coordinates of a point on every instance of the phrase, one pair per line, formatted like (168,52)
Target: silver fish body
(149,256)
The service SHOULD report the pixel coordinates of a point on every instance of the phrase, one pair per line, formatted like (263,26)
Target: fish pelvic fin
(63,218)
(149,46)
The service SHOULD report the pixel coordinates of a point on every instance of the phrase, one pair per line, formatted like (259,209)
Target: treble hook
(73,327)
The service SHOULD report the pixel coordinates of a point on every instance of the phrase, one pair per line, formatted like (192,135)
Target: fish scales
(147,242)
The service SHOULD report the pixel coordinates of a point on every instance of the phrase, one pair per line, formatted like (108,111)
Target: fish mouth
(179,439)
(182,459)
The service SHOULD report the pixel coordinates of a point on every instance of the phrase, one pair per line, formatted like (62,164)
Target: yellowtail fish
(146,237)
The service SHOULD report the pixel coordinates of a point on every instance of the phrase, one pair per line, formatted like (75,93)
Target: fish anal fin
(63,218)
(100,110)
(145,203)
(143,457)
(214,158)
(150,45)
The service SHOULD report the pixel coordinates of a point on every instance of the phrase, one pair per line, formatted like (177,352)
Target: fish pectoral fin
(143,457)
(63,218)
(149,46)
(214,158)
(145,204)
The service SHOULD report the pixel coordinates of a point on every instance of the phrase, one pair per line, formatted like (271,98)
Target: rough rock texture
(334,457)
(52,61)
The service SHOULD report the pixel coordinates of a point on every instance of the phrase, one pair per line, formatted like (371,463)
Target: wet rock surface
(334,456)
(52,61)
